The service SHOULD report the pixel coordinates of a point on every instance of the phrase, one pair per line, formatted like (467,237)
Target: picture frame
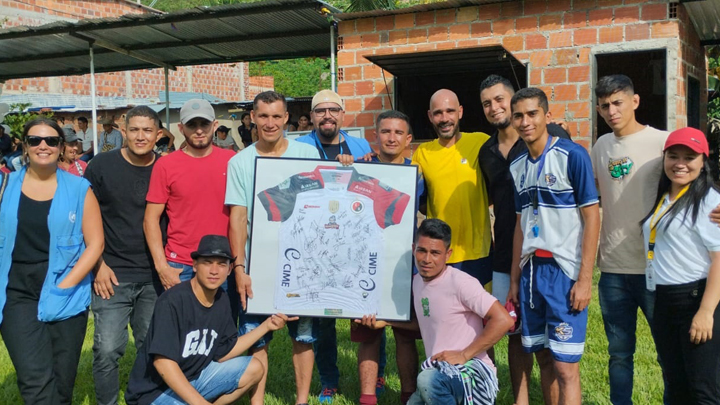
(330,240)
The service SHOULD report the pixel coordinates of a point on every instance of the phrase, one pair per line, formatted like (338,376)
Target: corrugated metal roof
(705,15)
(440,5)
(271,29)
(73,102)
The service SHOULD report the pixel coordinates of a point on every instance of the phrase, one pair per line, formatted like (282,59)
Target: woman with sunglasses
(50,239)
(683,267)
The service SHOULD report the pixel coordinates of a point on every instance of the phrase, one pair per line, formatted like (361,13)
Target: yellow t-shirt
(456,193)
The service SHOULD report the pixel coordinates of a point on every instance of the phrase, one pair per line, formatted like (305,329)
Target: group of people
(182,282)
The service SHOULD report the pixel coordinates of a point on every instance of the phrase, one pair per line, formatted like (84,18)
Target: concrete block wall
(555,38)
(227,81)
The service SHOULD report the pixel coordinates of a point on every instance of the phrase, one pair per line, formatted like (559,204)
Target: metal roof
(705,15)
(440,5)
(271,29)
(453,61)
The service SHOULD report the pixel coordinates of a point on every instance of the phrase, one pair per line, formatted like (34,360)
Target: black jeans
(691,372)
(45,354)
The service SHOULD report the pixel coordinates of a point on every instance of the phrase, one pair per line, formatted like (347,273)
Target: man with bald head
(455,186)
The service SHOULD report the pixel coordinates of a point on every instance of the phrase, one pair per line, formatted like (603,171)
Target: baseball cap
(6,128)
(196,107)
(690,137)
(213,246)
(326,96)
(223,128)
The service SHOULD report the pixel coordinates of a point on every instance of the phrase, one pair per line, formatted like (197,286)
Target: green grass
(281,385)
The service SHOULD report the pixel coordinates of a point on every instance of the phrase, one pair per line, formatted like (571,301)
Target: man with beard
(189,185)
(270,115)
(123,285)
(332,143)
(455,186)
(495,157)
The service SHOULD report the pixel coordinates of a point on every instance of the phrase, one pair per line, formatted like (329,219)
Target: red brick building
(560,46)
(227,81)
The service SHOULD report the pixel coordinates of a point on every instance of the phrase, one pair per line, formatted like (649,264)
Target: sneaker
(380,386)
(327,394)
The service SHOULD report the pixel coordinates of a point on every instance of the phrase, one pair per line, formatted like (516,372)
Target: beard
(199,144)
(501,124)
(328,134)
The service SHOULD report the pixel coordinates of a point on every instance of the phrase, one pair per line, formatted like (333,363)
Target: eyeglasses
(334,111)
(51,141)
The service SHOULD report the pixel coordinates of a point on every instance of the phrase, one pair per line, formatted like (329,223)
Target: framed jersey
(332,241)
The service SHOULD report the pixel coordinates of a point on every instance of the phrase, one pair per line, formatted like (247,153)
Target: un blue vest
(66,245)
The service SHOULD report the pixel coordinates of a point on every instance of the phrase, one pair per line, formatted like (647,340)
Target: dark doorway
(419,75)
(693,102)
(647,70)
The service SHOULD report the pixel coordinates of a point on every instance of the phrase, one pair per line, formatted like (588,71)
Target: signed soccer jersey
(331,238)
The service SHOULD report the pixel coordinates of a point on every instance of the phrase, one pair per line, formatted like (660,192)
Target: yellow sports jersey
(456,193)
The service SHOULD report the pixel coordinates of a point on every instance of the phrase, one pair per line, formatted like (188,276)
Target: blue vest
(66,245)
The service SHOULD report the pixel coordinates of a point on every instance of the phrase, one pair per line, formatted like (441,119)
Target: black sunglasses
(34,140)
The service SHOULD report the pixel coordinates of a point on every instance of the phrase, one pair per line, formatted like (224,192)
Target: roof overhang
(453,61)
(271,29)
(705,16)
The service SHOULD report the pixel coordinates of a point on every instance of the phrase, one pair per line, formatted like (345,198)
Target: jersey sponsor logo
(332,224)
(619,168)
(357,206)
(425,306)
(463,161)
(564,331)
(334,206)
(290,254)
(306,206)
(369,284)
(195,345)
(550,179)
(285,184)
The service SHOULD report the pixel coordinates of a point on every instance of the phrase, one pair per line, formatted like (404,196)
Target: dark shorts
(363,334)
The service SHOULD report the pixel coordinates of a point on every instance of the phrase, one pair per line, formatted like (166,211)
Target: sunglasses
(51,141)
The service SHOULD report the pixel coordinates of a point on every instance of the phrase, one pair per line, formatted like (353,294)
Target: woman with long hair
(304,123)
(51,237)
(683,267)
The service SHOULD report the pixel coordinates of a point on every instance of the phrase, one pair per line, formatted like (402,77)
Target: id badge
(650,281)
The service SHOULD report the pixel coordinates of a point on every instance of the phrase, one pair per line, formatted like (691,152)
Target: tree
(295,77)
(18,117)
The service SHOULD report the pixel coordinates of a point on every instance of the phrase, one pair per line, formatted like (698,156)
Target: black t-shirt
(498,180)
(120,188)
(32,243)
(185,331)
(246,134)
(330,151)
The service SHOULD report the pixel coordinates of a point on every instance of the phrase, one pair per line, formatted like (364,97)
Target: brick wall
(258,84)
(222,81)
(554,37)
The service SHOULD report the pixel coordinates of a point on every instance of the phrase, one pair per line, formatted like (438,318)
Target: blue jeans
(216,380)
(326,354)
(436,388)
(132,303)
(620,296)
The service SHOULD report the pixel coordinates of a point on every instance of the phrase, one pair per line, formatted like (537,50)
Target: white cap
(196,107)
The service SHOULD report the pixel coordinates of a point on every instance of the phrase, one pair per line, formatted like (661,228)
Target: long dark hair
(691,200)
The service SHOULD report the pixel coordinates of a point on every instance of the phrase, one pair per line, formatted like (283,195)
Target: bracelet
(239,265)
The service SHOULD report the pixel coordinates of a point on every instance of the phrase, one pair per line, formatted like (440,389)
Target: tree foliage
(714,81)
(295,77)
(18,117)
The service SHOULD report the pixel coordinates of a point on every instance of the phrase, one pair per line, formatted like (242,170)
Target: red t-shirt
(193,191)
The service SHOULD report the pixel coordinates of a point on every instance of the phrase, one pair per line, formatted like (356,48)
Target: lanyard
(320,149)
(541,164)
(657,216)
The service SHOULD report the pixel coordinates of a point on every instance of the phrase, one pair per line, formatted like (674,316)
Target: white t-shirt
(627,169)
(681,249)
(331,238)
(86,137)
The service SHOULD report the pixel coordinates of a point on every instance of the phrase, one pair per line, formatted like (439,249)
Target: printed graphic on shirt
(426,306)
(619,168)
(331,238)
(199,342)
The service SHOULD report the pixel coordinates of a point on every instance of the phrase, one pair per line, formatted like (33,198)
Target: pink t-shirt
(450,309)
(193,191)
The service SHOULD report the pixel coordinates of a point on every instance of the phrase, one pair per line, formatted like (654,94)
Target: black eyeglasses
(51,141)
(334,111)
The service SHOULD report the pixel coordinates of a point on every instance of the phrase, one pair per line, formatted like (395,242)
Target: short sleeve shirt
(186,332)
(456,193)
(193,191)
(627,169)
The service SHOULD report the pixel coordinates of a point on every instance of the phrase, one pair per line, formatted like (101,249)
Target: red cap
(690,137)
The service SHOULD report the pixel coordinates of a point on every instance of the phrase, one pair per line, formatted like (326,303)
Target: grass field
(281,385)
